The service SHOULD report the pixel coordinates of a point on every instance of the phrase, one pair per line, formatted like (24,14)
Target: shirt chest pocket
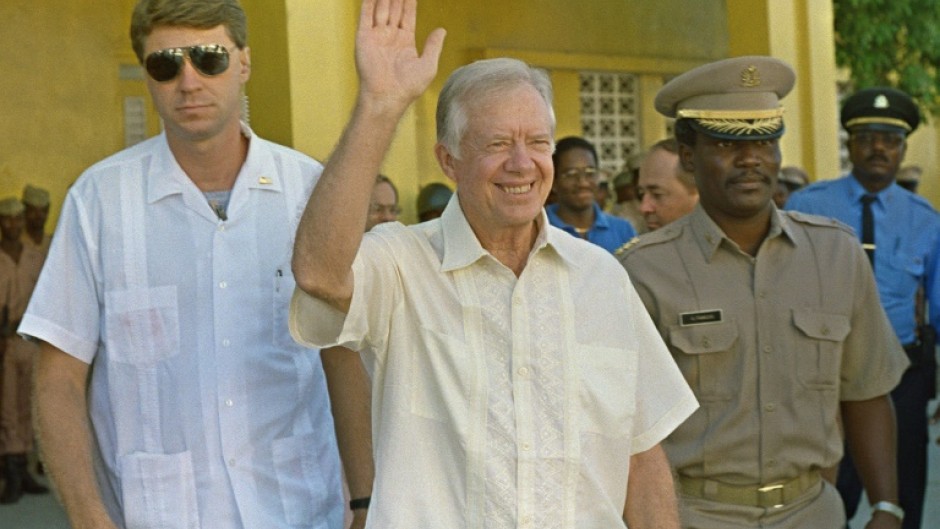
(142,325)
(443,379)
(608,381)
(707,359)
(819,347)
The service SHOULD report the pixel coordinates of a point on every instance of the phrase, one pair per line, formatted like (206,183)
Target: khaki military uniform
(770,344)
(16,427)
(43,246)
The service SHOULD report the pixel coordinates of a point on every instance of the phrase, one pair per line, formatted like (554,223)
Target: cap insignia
(750,77)
(881,101)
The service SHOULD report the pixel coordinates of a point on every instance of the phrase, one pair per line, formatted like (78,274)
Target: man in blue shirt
(575,209)
(901,234)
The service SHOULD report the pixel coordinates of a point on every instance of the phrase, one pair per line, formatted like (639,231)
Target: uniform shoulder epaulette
(626,246)
(661,235)
(817,220)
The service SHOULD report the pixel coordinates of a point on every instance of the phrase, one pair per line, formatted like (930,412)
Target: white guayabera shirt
(500,401)
(206,413)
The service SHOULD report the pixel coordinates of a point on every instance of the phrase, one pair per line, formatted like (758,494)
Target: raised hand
(390,68)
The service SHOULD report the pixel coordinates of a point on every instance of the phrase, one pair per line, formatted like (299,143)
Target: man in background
(900,232)
(666,190)
(576,210)
(20,264)
(36,202)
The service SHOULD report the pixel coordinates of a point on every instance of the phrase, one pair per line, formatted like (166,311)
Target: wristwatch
(890,508)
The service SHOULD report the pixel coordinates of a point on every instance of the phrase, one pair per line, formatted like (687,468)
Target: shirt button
(526,447)
(229,402)
(231,462)
(526,519)
(221,227)
(523,371)
(222,284)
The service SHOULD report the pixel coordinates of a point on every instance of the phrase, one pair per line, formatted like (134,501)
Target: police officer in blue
(900,231)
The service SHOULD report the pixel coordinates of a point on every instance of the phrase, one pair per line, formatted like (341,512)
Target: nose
(519,158)
(646,204)
(188,77)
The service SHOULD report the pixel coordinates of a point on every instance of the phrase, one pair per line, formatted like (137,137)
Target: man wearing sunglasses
(900,232)
(167,298)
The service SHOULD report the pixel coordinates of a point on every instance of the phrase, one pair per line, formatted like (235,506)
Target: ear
(446,160)
(685,158)
(244,64)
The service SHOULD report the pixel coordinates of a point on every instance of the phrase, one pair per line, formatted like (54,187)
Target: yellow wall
(63,95)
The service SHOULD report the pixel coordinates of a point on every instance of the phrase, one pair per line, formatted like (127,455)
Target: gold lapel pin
(264,180)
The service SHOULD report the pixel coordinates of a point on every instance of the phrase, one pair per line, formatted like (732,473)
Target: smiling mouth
(515,190)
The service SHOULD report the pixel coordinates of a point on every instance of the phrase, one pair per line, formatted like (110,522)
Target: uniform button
(768,348)
(762,294)
(825,330)
(523,371)
(706,342)
(229,402)
(770,407)
(223,284)
(771,462)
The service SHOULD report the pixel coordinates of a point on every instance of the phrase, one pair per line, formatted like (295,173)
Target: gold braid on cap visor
(737,122)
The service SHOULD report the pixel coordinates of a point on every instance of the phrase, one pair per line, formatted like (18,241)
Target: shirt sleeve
(873,360)
(64,309)
(376,289)
(664,399)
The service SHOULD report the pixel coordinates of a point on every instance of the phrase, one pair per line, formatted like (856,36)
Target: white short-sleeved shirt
(206,413)
(500,401)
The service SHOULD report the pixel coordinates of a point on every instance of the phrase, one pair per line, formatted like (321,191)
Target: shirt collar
(709,236)
(857,191)
(165,176)
(462,248)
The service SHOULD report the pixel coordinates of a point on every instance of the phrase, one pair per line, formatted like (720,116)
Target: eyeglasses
(890,140)
(207,59)
(576,173)
(376,209)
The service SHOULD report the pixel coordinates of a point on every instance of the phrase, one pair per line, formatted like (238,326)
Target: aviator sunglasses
(207,59)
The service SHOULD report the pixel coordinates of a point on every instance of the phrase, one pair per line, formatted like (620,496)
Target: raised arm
(392,75)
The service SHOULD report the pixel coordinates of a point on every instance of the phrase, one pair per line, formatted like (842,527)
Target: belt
(771,495)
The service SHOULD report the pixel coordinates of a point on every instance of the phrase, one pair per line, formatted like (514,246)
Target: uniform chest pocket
(708,360)
(819,347)
(142,325)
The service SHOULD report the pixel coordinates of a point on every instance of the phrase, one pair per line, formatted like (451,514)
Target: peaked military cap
(734,99)
(35,196)
(880,108)
(11,206)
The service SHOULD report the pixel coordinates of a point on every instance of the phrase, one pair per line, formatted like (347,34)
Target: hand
(883,520)
(390,69)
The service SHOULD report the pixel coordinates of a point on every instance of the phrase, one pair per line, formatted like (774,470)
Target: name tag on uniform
(702,317)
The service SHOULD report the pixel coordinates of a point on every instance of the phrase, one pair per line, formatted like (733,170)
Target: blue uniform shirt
(907,243)
(608,232)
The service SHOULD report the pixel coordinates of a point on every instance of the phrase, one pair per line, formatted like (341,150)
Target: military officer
(769,316)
